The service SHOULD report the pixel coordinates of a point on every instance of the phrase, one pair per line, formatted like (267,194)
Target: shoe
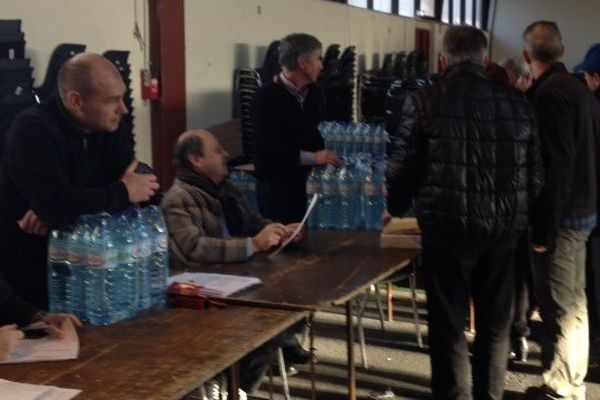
(290,370)
(296,355)
(382,395)
(520,349)
(542,393)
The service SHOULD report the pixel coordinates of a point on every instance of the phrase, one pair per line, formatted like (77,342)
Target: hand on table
(54,323)
(10,337)
(291,228)
(140,187)
(270,236)
(324,157)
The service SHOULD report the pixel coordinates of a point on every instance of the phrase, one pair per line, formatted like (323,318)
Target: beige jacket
(196,225)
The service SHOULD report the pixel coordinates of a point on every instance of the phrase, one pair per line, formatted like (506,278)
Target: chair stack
(337,83)
(16,82)
(60,54)
(119,59)
(246,84)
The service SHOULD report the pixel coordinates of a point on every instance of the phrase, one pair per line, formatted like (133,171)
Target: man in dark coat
(466,150)
(565,212)
(286,115)
(64,158)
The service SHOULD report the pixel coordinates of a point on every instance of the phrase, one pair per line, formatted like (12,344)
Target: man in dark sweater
(466,149)
(564,213)
(64,158)
(286,115)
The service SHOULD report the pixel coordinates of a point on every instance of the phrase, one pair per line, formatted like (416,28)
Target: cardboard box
(403,233)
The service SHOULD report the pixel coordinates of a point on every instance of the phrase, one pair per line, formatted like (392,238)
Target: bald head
(87,74)
(199,150)
(543,42)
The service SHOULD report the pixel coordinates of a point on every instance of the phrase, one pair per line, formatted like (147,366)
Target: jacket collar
(556,68)
(465,68)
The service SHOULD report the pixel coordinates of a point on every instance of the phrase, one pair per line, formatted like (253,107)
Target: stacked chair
(246,84)
(397,73)
(337,83)
(16,82)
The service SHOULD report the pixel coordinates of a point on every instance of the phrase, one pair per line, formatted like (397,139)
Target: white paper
(311,205)
(25,391)
(47,348)
(217,285)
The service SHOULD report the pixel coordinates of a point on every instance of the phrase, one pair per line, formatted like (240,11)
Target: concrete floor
(394,361)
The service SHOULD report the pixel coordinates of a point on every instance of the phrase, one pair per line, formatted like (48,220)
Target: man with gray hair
(466,151)
(565,212)
(286,114)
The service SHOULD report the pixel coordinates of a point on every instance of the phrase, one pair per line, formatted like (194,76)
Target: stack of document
(25,391)
(216,285)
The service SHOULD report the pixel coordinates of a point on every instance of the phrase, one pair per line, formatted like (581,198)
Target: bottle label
(74,256)
(96,260)
(163,243)
(56,254)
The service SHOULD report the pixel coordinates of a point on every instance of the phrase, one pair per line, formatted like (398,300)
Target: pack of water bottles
(246,182)
(352,197)
(347,139)
(106,268)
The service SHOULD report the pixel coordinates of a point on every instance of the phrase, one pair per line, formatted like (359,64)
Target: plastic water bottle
(159,265)
(123,276)
(79,242)
(100,291)
(374,197)
(347,199)
(328,184)
(338,138)
(313,186)
(142,248)
(58,269)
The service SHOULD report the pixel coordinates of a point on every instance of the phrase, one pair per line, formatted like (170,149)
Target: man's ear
(74,102)
(195,160)
(443,62)
(526,56)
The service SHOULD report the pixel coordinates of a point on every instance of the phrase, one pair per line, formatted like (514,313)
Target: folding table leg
(311,333)
(233,382)
(350,350)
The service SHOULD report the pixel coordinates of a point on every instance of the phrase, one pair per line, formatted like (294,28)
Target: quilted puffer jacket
(467,151)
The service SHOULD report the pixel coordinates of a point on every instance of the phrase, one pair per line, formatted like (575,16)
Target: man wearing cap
(590,69)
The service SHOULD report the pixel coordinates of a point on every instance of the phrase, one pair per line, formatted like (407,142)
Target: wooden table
(162,355)
(327,268)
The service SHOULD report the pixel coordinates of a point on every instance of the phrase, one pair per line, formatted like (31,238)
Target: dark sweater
(282,129)
(569,124)
(51,167)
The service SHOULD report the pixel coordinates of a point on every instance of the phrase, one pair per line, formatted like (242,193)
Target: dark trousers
(452,277)
(524,290)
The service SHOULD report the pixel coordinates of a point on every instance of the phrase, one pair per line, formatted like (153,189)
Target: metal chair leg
(412,280)
(282,371)
(379,306)
(361,330)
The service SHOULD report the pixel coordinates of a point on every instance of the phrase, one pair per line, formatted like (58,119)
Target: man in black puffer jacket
(467,150)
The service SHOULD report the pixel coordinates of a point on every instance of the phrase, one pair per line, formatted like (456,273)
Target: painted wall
(577,20)
(222,35)
(101,25)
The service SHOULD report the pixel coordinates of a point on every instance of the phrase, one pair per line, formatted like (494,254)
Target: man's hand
(140,187)
(386,217)
(268,237)
(30,223)
(291,228)
(324,157)
(10,337)
(538,248)
(54,324)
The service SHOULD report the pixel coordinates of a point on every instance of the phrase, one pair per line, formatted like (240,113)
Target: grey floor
(394,361)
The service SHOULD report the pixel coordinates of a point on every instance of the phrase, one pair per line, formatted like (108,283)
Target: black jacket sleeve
(13,309)
(406,163)
(33,164)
